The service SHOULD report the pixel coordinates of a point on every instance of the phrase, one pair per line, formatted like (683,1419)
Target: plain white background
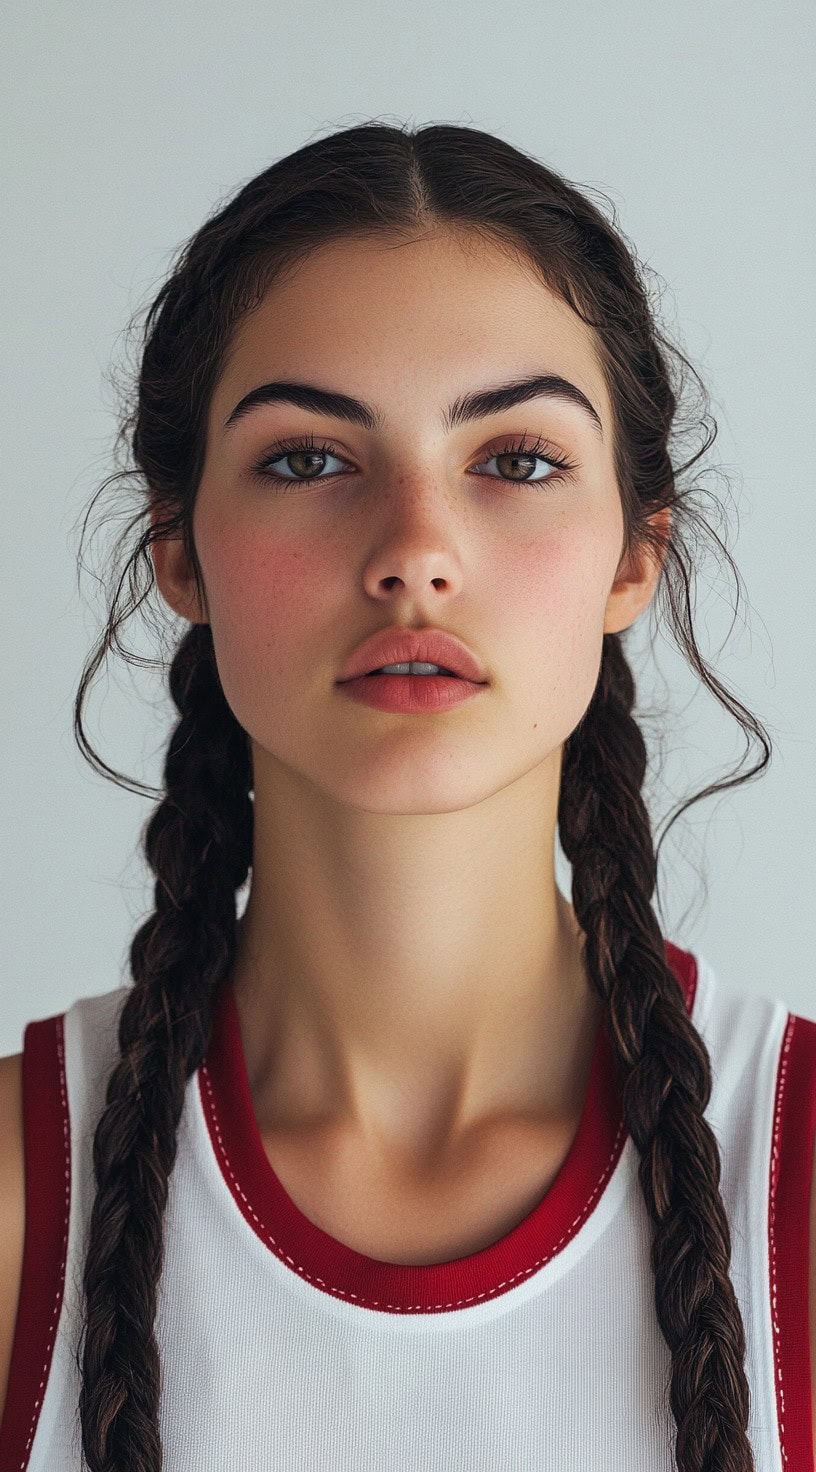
(125,125)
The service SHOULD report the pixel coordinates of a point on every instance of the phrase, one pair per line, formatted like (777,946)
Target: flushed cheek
(265,600)
(552,609)
(556,587)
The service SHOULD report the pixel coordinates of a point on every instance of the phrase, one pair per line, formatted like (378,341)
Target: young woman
(412,1163)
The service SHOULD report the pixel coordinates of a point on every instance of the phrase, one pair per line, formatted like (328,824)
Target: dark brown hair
(383,179)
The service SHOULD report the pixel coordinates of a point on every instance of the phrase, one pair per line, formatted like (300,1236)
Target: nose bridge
(412,531)
(413,485)
(416,525)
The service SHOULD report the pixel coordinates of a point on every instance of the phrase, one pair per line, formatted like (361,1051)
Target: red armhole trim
(792,1143)
(47,1153)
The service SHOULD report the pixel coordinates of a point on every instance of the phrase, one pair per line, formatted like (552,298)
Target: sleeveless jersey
(284,1349)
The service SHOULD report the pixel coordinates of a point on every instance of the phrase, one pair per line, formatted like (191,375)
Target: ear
(174,575)
(637,579)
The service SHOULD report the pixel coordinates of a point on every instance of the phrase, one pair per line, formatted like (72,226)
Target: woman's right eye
(308,451)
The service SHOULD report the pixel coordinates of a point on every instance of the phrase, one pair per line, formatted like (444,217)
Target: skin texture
(407,970)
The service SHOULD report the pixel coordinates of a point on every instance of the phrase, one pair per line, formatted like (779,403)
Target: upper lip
(399,646)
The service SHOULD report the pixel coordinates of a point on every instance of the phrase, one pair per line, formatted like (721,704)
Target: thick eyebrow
(476,405)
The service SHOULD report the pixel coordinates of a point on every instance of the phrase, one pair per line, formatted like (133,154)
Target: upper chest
(466,1202)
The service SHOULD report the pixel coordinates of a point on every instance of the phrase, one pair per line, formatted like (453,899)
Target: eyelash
(521,446)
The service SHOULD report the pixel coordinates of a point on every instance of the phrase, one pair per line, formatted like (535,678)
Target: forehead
(430,315)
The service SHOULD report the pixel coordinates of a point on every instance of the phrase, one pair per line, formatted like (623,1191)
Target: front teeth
(413,667)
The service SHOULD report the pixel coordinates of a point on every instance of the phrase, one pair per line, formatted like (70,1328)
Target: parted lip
(397,646)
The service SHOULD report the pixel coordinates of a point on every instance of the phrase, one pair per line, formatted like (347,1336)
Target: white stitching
(772,1241)
(58,1300)
(262,1231)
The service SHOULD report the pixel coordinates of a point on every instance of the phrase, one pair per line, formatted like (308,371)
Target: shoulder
(12,1206)
(764,1100)
(49,1092)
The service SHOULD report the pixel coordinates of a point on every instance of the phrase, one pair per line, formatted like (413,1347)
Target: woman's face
(410,522)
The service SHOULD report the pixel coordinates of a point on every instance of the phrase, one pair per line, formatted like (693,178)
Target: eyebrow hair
(476,405)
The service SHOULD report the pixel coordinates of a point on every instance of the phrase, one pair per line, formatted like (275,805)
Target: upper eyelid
(325,444)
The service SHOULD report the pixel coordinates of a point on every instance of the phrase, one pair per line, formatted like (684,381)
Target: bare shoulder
(12,1206)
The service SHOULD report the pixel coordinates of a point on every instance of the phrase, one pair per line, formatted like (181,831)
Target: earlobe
(174,579)
(636,580)
(631,593)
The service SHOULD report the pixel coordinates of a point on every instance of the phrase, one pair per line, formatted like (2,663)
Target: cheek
(557,585)
(553,595)
(264,594)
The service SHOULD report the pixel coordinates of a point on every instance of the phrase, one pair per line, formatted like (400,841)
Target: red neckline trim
(406,1288)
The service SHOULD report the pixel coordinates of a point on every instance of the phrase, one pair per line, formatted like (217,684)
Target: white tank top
(284,1349)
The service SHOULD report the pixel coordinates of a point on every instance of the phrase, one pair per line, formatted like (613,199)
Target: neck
(411,977)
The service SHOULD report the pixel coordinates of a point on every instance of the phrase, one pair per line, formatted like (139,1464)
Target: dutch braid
(199,845)
(606,835)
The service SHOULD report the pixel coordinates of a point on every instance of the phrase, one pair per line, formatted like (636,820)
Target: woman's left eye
(521,453)
(525,453)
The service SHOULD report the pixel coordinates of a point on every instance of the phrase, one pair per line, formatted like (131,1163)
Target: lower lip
(412,693)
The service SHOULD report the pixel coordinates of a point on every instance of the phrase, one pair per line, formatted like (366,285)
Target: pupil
(305,455)
(516,458)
